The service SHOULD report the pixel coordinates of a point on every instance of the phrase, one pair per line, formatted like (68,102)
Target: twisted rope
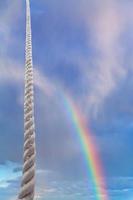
(28,179)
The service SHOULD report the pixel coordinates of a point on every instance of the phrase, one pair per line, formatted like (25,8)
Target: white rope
(28,179)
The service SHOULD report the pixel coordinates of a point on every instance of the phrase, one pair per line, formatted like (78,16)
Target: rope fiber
(28,179)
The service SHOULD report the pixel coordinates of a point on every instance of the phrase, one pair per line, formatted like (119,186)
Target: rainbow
(86,141)
(92,159)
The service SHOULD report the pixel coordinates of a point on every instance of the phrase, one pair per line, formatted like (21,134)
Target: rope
(28,179)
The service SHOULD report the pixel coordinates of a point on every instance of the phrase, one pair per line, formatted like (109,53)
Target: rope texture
(28,179)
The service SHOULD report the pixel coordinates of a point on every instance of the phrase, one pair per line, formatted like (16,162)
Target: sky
(83,48)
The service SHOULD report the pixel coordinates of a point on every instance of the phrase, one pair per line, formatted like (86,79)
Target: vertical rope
(28,179)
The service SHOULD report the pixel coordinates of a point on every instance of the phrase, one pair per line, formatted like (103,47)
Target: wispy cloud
(101,61)
(8,174)
(9,16)
(106,26)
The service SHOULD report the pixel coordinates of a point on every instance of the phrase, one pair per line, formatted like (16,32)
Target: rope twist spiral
(28,179)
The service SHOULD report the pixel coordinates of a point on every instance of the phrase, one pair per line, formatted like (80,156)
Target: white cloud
(106,26)
(12,71)
(7,173)
(9,15)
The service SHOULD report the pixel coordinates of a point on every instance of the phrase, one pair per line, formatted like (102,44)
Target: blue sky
(84,47)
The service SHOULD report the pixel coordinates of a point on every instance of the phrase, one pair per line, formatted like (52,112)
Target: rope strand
(28,179)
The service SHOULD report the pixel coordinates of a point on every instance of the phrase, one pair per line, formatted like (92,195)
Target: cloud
(106,26)
(7,174)
(8,18)
(96,30)
(118,187)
